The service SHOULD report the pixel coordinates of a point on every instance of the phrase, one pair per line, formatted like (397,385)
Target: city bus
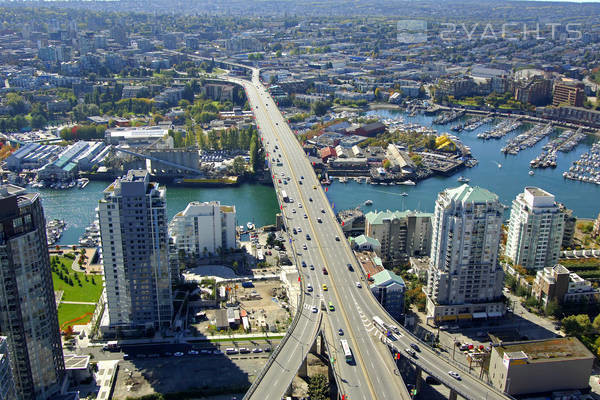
(347,351)
(382,326)
(284,196)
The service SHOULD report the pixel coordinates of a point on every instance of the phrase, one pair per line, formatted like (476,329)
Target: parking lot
(205,368)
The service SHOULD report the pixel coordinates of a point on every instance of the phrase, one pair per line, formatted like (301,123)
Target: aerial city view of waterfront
(299,200)
(505,175)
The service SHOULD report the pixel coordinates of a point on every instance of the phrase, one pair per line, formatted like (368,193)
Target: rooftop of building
(370,263)
(535,191)
(377,217)
(547,350)
(362,239)
(386,277)
(76,361)
(470,194)
(8,190)
(135,175)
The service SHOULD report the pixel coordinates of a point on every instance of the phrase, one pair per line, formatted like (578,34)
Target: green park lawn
(68,314)
(88,292)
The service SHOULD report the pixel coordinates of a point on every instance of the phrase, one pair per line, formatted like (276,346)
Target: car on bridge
(304,264)
(337,238)
(350,267)
(304,247)
(340,332)
(325,271)
(331,307)
(319,220)
(307,236)
(324,287)
(411,352)
(414,346)
(455,375)
(314,309)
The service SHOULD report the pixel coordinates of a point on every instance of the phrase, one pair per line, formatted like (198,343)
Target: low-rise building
(204,228)
(77,367)
(402,234)
(559,284)
(388,288)
(540,366)
(137,136)
(567,93)
(365,243)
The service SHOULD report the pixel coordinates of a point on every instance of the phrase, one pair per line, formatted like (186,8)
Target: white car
(304,246)
(358,285)
(299,229)
(178,354)
(193,353)
(294,210)
(455,375)
(314,309)
(299,205)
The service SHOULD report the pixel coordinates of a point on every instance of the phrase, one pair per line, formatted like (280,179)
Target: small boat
(463,179)
(403,194)
(368,203)
(409,182)
(499,165)
(531,173)
(250,226)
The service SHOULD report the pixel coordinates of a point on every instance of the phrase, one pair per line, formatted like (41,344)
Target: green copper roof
(362,239)
(474,194)
(385,276)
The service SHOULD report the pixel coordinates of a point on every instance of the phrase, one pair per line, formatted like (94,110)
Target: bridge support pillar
(452,395)
(314,348)
(323,348)
(419,379)
(303,370)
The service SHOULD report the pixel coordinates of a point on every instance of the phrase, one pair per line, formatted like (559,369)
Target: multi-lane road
(372,374)
(319,244)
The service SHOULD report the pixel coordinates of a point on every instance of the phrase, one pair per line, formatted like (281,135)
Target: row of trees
(83,132)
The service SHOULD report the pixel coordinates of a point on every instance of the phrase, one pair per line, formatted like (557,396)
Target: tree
(38,122)
(319,108)
(318,387)
(239,166)
(596,323)
(576,325)
(255,159)
(386,164)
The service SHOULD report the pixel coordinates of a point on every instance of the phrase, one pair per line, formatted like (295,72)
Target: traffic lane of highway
(362,341)
(349,378)
(350,292)
(356,391)
(300,162)
(355,319)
